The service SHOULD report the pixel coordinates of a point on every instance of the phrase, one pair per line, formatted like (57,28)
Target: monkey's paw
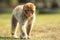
(15,36)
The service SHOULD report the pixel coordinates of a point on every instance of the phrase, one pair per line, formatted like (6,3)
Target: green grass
(46,27)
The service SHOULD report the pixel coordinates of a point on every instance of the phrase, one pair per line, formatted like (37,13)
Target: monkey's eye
(25,11)
(29,11)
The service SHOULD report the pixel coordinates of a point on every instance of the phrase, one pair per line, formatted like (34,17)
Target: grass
(46,27)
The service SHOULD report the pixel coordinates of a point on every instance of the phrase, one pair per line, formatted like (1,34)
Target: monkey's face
(29,9)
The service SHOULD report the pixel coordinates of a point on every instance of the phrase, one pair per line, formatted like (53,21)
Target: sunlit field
(46,27)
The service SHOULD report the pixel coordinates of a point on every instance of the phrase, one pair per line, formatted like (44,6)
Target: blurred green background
(41,5)
(47,23)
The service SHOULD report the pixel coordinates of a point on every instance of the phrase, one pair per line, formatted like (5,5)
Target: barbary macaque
(25,16)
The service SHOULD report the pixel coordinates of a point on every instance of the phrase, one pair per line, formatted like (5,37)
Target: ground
(46,27)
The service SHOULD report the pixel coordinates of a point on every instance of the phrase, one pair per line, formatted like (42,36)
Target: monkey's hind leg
(14,27)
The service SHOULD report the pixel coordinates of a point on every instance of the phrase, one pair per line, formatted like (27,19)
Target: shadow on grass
(7,38)
(10,38)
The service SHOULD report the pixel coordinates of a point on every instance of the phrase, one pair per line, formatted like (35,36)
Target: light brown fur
(25,16)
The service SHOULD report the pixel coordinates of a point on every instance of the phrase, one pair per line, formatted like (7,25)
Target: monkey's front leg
(30,26)
(23,32)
